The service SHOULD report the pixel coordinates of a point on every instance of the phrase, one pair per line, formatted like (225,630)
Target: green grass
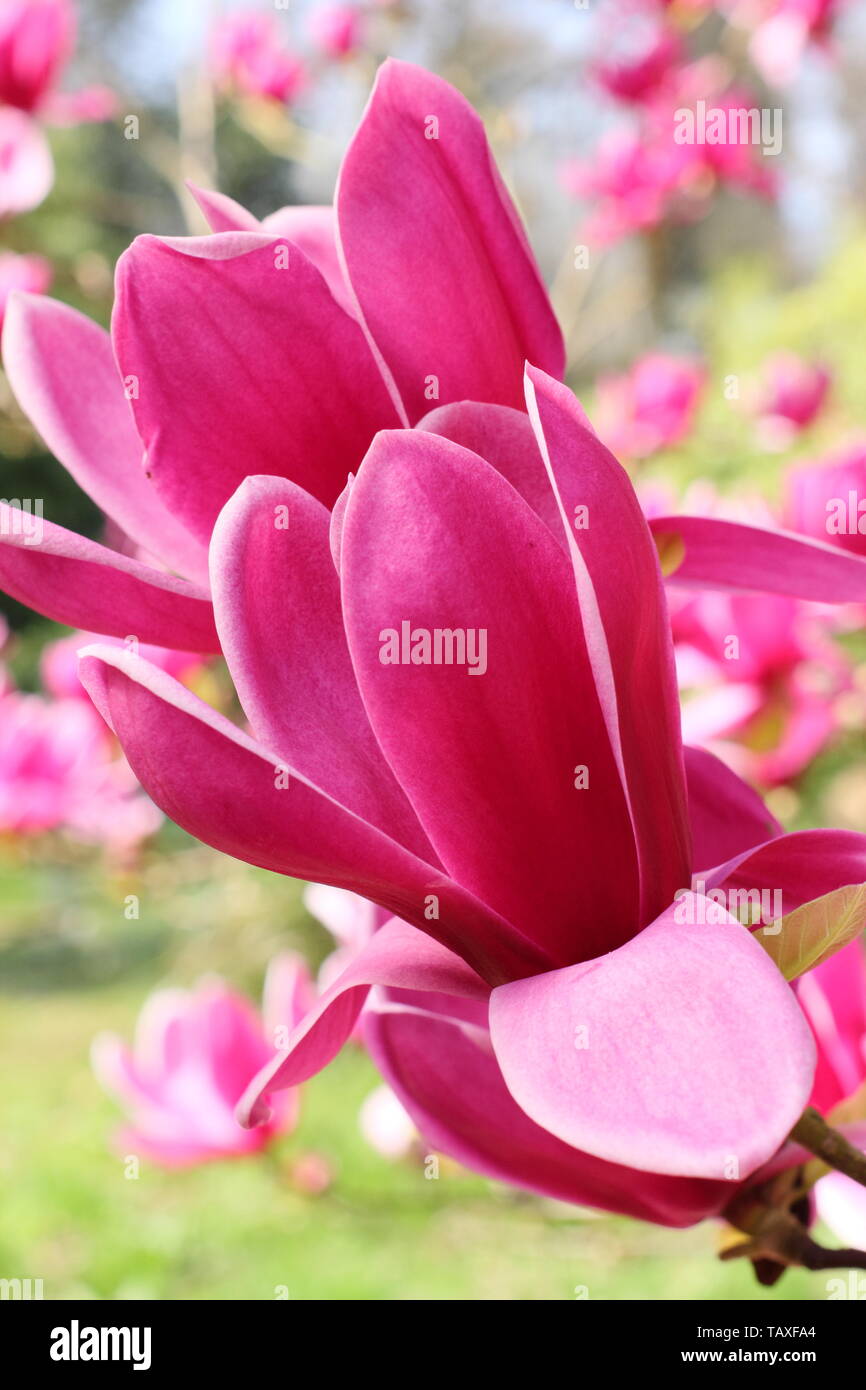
(238,1229)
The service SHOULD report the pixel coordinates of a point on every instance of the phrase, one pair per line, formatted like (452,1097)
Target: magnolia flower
(833,998)
(247,53)
(31,273)
(161,422)
(787,28)
(59,771)
(794,393)
(337,29)
(58,663)
(638,58)
(539,1003)
(827,499)
(764,677)
(37,38)
(26,166)
(194,1054)
(649,408)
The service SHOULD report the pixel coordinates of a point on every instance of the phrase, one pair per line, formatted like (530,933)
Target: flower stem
(826,1143)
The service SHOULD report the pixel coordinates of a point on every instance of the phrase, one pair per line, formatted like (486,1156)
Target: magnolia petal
(603,1054)
(416,262)
(76,581)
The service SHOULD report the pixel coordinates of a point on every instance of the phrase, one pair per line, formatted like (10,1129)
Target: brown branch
(813,1132)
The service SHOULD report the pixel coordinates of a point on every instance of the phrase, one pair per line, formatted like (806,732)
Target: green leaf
(817,930)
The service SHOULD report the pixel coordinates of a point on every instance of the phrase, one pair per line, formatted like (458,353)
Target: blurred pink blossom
(194,1053)
(59,663)
(32,273)
(36,41)
(248,54)
(833,998)
(386,1124)
(827,499)
(637,62)
(26,165)
(337,29)
(650,407)
(780,40)
(794,393)
(58,770)
(765,677)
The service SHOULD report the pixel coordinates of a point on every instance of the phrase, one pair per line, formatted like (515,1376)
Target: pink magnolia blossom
(649,408)
(765,677)
(833,998)
(785,32)
(26,165)
(37,38)
(794,392)
(642,176)
(30,273)
(827,499)
(248,54)
(337,29)
(58,771)
(148,420)
(638,58)
(58,666)
(386,1124)
(193,1056)
(537,869)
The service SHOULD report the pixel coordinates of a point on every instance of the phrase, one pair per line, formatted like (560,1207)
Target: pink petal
(245,364)
(76,581)
(62,369)
(728,555)
(444,1073)
(433,537)
(683,1052)
(803,865)
(625,618)
(728,817)
(220,785)
(397,956)
(435,251)
(311,227)
(277,602)
(505,439)
(841,1205)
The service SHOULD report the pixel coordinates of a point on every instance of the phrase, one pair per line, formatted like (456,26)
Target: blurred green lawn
(237,1229)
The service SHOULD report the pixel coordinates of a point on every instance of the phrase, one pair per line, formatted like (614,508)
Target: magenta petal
(728,555)
(444,1073)
(435,251)
(311,227)
(803,865)
(62,369)
(505,439)
(727,816)
(398,956)
(625,617)
(220,785)
(683,1052)
(245,363)
(277,604)
(76,581)
(435,539)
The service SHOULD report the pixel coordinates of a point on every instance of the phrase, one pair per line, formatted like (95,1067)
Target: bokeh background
(708,272)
